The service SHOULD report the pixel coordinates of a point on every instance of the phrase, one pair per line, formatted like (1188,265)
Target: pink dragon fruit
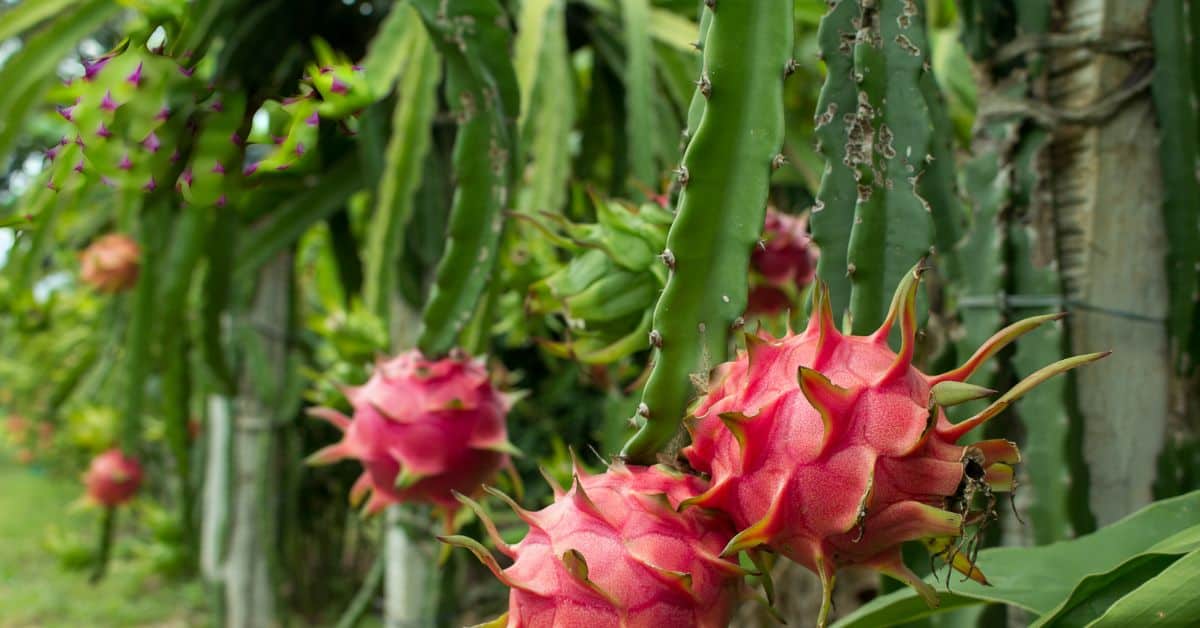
(832,449)
(787,252)
(111,263)
(112,479)
(615,552)
(422,430)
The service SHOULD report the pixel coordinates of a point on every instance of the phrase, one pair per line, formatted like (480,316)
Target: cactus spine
(724,182)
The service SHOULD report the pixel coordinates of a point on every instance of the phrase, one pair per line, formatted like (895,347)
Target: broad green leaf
(1169,599)
(1039,579)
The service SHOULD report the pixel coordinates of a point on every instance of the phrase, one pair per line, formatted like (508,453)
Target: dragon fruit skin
(787,252)
(112,478)
(614,551)
(833,449)
(111,263)
(422,430)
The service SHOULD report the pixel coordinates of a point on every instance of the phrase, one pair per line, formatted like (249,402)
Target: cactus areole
(614,551)
(833,449)
(422,430)
(112,478)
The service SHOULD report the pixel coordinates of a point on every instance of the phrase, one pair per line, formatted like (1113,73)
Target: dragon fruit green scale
(833,449)
(615,552)
(423,429)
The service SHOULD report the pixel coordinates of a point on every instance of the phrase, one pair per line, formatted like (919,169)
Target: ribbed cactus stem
(725,179)
(888,144)
(481,88)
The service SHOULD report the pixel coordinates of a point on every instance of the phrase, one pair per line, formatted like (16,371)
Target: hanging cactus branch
(482,91)
(724,178)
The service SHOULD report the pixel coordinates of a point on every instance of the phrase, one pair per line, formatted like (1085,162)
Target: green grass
(35,590)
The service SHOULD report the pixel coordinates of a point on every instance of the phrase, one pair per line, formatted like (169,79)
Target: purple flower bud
(313,119)
(217,106)
(79,166)
(278,139)
(236,139)
(175,156)
(65,112)
(107,181)
(52,153)
(163,114)
(218,168)
(282,167)
(249,169)
(151,143)
(186,71)
(356,67)
(150,185)
(339,87)
(186,177)
(107,103)
(299,149)
(136,76)
(63,141)
(79,141)
(103,131)
(325,70)
(51,186)
(221,201)
(125,163)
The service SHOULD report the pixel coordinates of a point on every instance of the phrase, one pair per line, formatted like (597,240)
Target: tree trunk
(1107,194)
(249,585)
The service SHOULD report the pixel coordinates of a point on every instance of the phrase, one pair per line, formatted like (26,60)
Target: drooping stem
(724,180)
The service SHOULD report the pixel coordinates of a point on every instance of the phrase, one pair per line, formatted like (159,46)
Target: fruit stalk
(724,183)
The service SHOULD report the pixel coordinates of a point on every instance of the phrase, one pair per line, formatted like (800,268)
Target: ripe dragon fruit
(832,449)
(614,551)
(422,429)
(787,252)
(112,479)
(111,263)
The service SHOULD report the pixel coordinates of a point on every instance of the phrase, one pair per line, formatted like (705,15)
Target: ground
(35,590)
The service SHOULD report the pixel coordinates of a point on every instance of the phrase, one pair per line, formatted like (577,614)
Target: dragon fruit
(614,551)
(787,253)
(112,479)
(832,449)
(111,263)
(422,430)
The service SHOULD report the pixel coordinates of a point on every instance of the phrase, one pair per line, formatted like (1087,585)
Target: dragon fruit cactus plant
(111,263)
(615,550)
(422,429)
(787,253)
(833,449)
(112,479)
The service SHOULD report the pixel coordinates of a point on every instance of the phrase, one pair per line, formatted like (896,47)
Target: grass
(35,590)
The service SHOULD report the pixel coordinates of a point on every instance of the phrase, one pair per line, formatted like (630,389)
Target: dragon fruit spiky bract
(422,430)
(833,449)
(112,478)
(614,551)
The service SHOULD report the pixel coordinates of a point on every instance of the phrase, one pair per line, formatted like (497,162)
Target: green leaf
(1040,579)
(1169,599)
(389,53)
(29,14)
(29,73)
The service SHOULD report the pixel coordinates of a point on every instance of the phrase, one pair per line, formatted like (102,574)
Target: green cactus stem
(888,145)
(481,88)
(833,212)
(724,179)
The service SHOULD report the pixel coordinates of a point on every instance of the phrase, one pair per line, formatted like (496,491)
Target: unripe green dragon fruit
(606,292)
(833,449)
(422,429)
(614,551)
